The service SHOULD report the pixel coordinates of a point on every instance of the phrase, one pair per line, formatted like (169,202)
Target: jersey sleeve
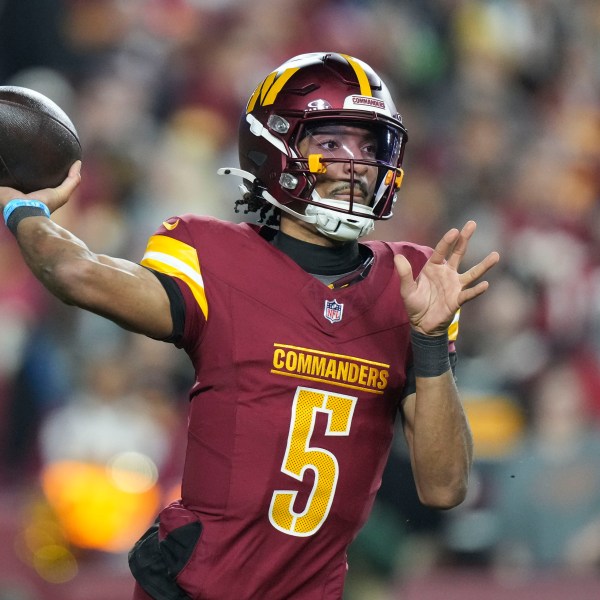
(171,252)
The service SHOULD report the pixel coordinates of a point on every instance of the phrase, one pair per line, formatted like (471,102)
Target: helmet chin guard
(338,225)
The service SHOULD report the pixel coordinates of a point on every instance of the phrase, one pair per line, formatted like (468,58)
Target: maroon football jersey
(292,412)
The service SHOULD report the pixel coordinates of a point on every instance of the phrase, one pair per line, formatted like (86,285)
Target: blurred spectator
(110,449)
(548,492)
(104,417)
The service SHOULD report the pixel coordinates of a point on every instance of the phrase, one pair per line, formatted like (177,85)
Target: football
(38,141)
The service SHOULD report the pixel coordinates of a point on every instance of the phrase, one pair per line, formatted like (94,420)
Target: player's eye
(329,144)
(369,150)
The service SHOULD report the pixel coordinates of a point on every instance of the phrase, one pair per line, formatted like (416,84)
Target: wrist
(20,208)
(430,354)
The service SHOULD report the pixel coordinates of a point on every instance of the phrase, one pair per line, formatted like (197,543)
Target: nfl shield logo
(333,311)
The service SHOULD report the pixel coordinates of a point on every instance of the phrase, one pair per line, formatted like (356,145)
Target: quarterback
(307,344)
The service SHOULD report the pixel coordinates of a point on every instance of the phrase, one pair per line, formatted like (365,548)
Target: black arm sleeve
(177,304)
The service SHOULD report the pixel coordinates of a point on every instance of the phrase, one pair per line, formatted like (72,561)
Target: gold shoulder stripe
(177,259)
(363,80)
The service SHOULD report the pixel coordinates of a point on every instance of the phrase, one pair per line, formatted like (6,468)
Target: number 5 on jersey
(300,455)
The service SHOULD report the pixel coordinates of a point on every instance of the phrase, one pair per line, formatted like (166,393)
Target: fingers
(472,292)
(444,246)
(75,170)
(479,270)
(474,273)
(405,272)
(53,197)
(453,246)
(461,245)
(56,197)
(69,185)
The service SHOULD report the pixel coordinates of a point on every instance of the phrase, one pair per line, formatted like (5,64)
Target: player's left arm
(436,428)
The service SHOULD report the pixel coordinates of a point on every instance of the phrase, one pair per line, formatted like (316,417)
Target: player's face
(343,142)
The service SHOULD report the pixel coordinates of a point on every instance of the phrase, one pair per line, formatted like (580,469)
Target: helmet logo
(318,105)
(333,311)
(358,102)
(368,101)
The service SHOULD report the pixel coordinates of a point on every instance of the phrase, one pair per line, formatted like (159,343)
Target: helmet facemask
(355,161)
(345,172)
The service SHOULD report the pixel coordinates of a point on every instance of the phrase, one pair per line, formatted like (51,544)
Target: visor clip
(315,164)
(399,178)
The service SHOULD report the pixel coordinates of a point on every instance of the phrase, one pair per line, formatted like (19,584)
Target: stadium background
(502,102)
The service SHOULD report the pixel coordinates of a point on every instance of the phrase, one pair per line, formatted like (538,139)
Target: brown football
(38,141)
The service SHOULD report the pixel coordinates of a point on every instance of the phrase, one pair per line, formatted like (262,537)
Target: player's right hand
(53,198)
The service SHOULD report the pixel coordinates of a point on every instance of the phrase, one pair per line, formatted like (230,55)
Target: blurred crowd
(501,99)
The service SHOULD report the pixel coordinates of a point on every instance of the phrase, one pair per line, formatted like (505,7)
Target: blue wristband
(22,203)
(20,208)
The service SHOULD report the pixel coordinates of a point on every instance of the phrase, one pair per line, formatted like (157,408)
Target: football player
(307,343)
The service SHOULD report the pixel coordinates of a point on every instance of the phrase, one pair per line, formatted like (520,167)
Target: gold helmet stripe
(277,85)
(269,88)
(363,80)
(259,91)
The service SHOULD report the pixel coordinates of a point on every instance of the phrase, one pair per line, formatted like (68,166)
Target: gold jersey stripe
(177,259)
(363,80)
(453,329)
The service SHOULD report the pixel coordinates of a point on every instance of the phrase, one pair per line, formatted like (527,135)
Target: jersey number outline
(300,456)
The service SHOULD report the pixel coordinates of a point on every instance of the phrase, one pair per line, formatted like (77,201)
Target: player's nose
(355,164)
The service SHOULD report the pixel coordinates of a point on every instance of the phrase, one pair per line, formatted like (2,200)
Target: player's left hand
(440,290)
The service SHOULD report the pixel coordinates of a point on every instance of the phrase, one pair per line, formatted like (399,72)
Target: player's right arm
(120,290)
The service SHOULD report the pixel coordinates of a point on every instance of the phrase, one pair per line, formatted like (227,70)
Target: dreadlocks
(254,204)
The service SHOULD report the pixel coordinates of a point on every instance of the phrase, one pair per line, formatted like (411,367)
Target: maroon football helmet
(304,93)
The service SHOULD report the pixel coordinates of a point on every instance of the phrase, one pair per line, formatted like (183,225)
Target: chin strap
(337,225)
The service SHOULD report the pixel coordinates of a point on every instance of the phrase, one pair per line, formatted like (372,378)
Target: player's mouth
(344,191)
